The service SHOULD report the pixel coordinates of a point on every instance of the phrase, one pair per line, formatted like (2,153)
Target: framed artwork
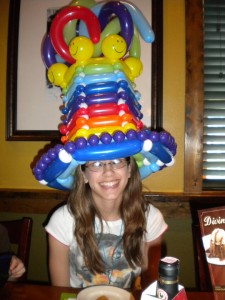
(33,105)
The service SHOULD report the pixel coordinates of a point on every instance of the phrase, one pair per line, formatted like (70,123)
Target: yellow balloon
(70,73)
(82,132)
(56,73)
(114,47)
(135,65)
(81,48)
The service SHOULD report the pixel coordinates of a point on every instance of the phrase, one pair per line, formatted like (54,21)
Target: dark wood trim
(30,201)
(157,66)
(193,97)
(42,202)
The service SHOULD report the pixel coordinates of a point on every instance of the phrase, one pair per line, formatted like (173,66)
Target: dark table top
(14,291)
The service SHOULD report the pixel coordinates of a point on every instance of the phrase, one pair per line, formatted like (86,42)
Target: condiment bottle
(168,272)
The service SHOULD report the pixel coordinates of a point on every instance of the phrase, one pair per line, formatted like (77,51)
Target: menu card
(212,224)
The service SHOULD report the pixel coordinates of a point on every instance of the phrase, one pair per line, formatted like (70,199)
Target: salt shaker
(168,272)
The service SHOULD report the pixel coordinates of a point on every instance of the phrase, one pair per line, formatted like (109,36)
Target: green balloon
(113,27)
(101,68)
(135,47)
(85,3)
(69,30)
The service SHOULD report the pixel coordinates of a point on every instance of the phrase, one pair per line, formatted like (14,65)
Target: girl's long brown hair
(132,212)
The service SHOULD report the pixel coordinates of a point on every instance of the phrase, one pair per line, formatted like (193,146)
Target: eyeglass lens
(100,165)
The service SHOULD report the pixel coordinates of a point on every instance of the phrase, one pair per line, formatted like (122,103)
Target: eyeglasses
(99,166)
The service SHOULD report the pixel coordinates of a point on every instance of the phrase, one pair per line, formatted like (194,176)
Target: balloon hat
(101,109)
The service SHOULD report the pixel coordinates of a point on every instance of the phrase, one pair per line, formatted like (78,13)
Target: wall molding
(42,202)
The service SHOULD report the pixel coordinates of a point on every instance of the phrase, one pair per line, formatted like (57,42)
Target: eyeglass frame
(104,164)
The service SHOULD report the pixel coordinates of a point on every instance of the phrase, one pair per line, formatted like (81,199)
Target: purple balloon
(37,171)
(171,141)
(39,177)
(58,148)
(154,136)
(81,143)
(45,159)
(164,137)
(48,52)
(70,147)
(142,136)
(131,134)
(106,138)
(40,165)
(173,150)
(93,140)
(126,22)
(118,136)
(51,154)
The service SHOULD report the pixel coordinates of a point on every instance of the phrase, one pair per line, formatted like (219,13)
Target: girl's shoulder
(151,210)
(62,214)
(61,225)
(62,210)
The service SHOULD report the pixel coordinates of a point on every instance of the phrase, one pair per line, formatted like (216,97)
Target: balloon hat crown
(96,74)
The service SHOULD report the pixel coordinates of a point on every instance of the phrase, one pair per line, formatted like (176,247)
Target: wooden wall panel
(193,97)
(172,205)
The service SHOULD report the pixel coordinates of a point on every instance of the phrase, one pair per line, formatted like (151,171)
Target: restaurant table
(19,291)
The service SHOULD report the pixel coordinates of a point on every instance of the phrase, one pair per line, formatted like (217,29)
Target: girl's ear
(84,177)
(129,170)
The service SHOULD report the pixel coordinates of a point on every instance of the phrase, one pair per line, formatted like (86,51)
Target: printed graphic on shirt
(117,271)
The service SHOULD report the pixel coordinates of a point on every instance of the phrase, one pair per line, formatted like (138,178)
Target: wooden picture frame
(14,133)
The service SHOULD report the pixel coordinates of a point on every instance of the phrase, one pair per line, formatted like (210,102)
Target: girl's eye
(97,164)
(115,161)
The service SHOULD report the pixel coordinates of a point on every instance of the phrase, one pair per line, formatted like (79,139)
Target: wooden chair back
(19,232)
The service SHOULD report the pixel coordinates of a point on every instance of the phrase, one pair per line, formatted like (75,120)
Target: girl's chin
(110,195)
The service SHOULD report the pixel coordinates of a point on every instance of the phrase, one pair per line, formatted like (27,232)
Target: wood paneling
(42,202)
(193,97)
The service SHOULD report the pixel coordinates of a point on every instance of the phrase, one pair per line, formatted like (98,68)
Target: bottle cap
(169,267)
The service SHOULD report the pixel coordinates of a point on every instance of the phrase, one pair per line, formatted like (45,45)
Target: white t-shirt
(118,273)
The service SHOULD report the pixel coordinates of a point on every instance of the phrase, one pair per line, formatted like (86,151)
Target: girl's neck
(109,215)
(109,210)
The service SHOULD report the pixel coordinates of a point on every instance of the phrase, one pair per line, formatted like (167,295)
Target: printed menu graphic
(212,224)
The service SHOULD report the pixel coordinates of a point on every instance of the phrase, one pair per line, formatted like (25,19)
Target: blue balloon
(57,170)
(109,151)
(161,152)
(142,24)
(54,170)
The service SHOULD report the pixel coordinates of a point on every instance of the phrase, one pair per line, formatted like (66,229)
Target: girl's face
(107,179)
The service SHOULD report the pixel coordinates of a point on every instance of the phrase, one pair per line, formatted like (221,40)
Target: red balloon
(64,16)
